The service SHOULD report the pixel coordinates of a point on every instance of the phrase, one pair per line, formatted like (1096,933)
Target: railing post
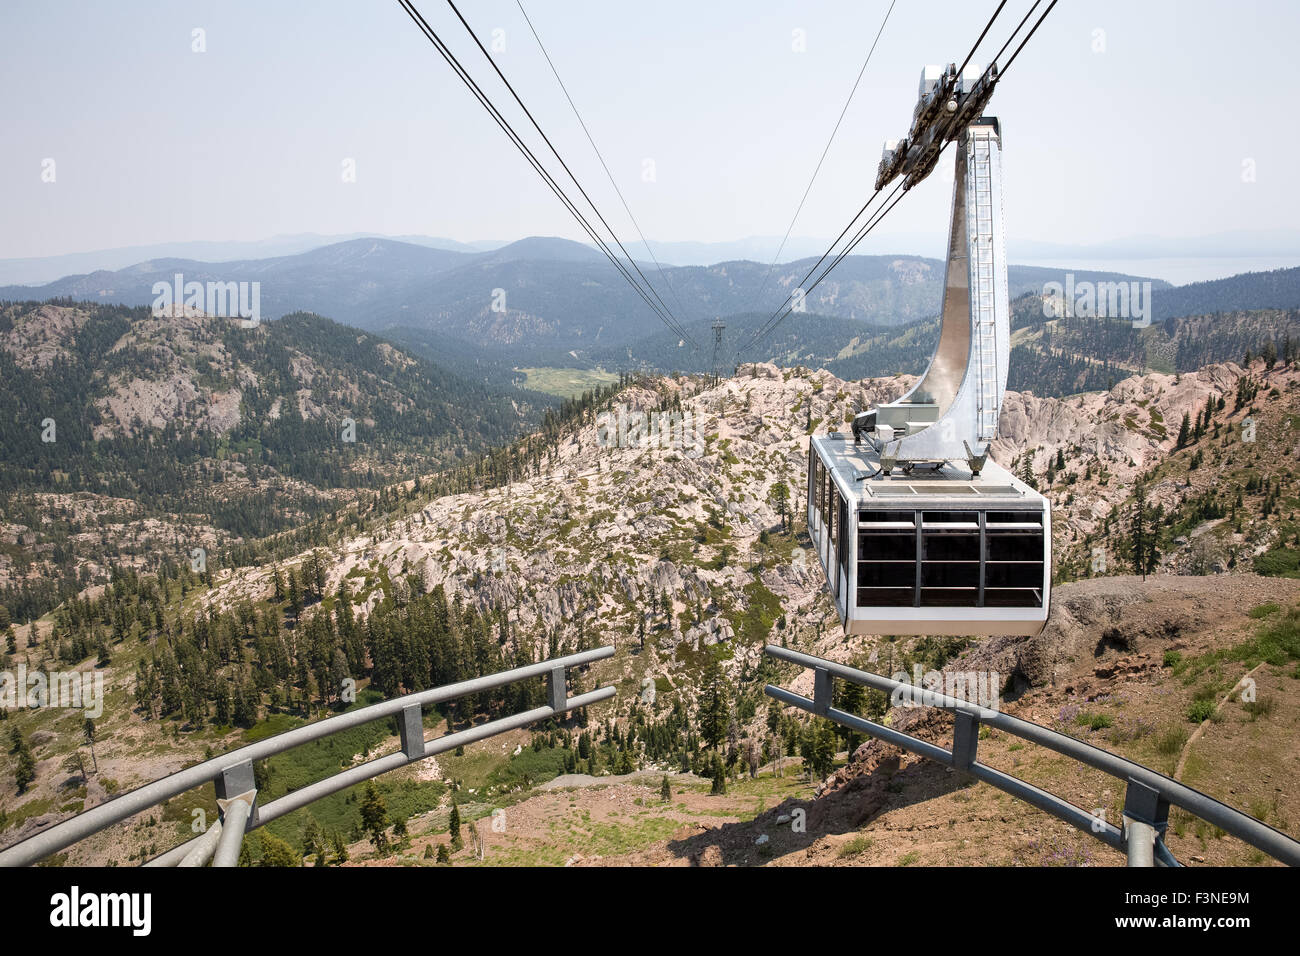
(965,739)
(236,781)
(557,690)
(822,691)
(411,730)
(1146,814)
(235,815)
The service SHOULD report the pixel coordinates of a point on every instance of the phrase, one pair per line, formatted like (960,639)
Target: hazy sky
(154,142)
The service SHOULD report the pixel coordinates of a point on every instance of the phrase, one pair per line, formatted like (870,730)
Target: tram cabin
(934,551)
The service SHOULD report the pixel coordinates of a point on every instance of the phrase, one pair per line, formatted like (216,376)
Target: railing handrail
(70,831)
(1241,825)
(297,799)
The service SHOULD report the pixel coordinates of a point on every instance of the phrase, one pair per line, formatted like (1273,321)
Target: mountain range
(1241,244)
(535,293)
(548,302)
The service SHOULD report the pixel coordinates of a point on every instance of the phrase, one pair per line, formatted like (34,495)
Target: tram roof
(850,463)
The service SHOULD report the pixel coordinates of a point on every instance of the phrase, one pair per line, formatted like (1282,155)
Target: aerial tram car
(917,531)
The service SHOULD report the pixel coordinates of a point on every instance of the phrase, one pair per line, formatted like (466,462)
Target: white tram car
(935,552)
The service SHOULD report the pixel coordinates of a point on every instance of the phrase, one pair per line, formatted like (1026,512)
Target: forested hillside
(129,434)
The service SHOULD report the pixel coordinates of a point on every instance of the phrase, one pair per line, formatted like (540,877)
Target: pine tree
(340,848)
(666,791)
(625,764)
(275,852)
(25,773)
(453,825)
(374,818)
(318,579)
(295,596)
(88,732)
(311,840)
(715,709)
(1142,534)
(780,496)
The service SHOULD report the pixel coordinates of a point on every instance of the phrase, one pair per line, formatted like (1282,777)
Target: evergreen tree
(715,707)
(1142,534)
(88,734)
(719,773)
(453,824)
(275,852)
(25,773)
(340,848)
(295,596)
(780,497)
(374,818)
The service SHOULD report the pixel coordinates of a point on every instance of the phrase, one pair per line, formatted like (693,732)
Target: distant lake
(1174,271)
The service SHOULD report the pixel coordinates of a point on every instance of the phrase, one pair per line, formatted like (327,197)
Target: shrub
(856,847)
(1172,741)
(1200,711)
(1280,562)
(1094,721)
(1259,708)
(276,852)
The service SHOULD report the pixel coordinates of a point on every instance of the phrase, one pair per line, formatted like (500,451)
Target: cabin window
(950,559)
(887,559)
(833,536)
(1013,559)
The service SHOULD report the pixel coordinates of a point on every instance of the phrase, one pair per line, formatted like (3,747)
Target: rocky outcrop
(627,537)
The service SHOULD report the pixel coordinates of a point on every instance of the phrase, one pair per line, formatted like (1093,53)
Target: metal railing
(236,791)
(1147,799)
